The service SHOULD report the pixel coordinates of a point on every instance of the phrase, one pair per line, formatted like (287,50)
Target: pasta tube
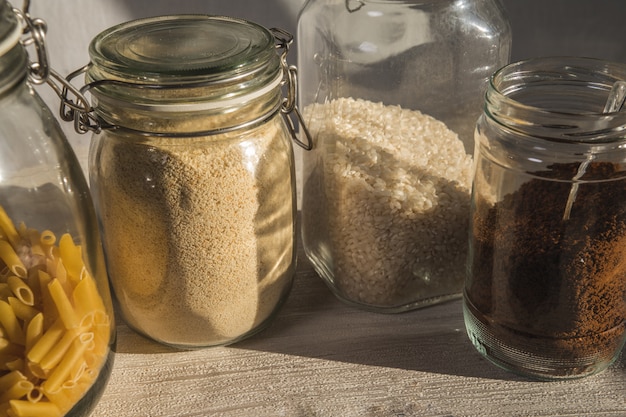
(63,305)
(18,390)
(49,339)
(10,379)
(7,227)
(21,290)
(22,311)
(34,331)
(10,258)
(23,408)
(9,321)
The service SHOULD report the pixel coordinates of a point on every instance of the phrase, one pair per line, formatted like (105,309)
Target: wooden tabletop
(322,358)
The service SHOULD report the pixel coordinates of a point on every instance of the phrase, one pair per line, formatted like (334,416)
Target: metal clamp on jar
(192,169)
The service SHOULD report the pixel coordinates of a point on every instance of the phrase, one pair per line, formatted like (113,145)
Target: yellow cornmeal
(198,237)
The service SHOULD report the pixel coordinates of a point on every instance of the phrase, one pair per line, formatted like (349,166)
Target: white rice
(385,203)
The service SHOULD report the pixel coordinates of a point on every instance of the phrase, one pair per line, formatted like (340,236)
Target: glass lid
(182,49)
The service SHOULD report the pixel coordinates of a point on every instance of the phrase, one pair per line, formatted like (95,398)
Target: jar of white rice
(390,93)
(192,171)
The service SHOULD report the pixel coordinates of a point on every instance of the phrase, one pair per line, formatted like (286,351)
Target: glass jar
(545,294)
(391,91)
(57,328)
(193,175)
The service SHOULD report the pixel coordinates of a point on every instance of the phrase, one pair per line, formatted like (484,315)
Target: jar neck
(168,113)
(13,68)
(559,99)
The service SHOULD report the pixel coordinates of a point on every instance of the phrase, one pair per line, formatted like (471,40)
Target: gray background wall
(592,28)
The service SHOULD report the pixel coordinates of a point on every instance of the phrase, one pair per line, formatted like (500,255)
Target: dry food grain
(198,231)
(547,296)
(385,203)
(55,328)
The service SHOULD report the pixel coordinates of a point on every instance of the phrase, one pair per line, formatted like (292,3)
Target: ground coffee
(553,290)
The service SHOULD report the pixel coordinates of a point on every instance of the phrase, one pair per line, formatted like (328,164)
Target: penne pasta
(21,231)
(61,275)
(16,364)
(48,308)
(55,332)
(72,257)
(47,341)
(58,351)
(47,238)
(10,324)
(34,331)
(22,311)
(21,291)
(34,395)
(17,391)
(10,379)
(32,280)
(24,408)
(10,258)
(36,248)
(63,304)
(62,398)
(8,228)
(86,297)
(77,371)
(61,372)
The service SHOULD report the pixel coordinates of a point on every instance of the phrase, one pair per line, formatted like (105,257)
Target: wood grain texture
(320,357)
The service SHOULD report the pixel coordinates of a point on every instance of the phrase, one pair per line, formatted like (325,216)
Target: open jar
(545,294)
(57,330)
(391,91)
(192,170)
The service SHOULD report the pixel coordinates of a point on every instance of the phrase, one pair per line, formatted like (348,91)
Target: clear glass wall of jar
(57,330)
(193,175)
(545,294)
(390,92)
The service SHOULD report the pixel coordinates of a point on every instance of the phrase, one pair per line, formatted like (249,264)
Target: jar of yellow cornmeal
(192,170)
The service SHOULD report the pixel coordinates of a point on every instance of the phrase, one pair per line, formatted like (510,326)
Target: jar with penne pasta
(192,170)
(57,329)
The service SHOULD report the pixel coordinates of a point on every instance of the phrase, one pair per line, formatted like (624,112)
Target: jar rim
(181,49)
(509,79)
(557,97)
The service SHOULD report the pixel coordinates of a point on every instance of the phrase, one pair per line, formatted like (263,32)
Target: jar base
(320,265)
(209,343)
(539,357)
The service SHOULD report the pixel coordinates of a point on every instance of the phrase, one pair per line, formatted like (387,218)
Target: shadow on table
(314,324)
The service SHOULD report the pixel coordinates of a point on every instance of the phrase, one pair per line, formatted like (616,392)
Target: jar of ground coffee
(545,294)
(192,171)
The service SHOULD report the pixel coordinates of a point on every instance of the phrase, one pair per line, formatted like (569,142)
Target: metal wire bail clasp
(290,79)
(40,72)
(79,111)
(34,34)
